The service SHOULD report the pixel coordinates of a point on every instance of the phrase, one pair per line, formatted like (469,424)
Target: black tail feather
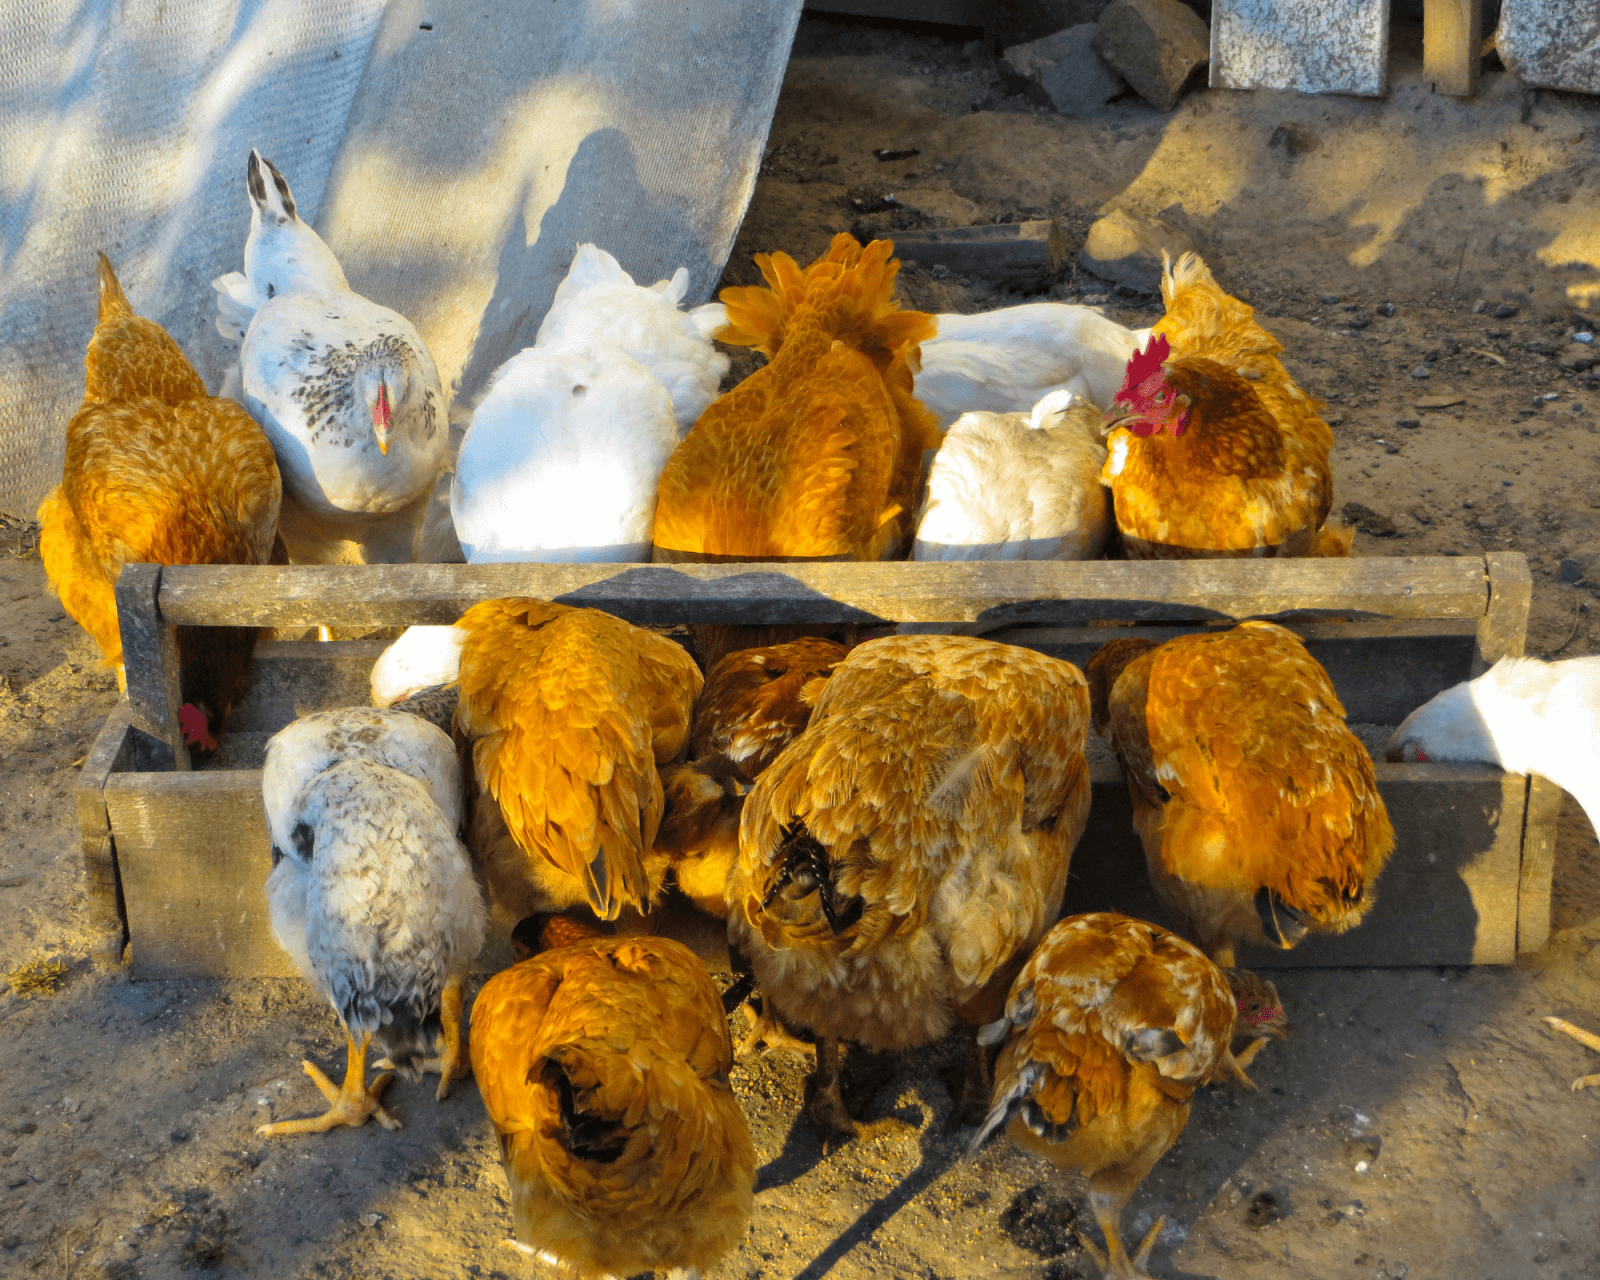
(806,866)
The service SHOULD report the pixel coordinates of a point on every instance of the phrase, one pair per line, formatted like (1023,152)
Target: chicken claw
(1113,1260)
(825,1107)
(1582,1037)
(350,1105)
(767,1033)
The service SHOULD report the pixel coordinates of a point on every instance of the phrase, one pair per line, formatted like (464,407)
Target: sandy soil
(1418,1123)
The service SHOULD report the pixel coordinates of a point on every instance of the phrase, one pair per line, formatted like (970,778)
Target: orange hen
(755,701)
(818,454)
(901,857)
(1108,1030)
(1257,807)
(604,1067)
(158,472)
(566,716)
(1213,449)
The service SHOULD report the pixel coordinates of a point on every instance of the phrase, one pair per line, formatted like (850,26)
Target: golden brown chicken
(818,454)
(158,472)
(902,856)
(755,702)
(1108,1030)
(604,1066)
(1258,809)
(565,717)
(1213,449)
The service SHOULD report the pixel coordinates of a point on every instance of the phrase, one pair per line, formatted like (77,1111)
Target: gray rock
(1369,521)
(1154,45)
(1578,357)
(1064,70)
(1126,249)
(1553,44)
(1331,46)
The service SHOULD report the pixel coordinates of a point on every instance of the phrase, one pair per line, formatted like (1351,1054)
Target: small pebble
(1504,311)
(1328,299)
(1387,310)
(371,1219)
(1410,424)
(1586,338)
(1421,371)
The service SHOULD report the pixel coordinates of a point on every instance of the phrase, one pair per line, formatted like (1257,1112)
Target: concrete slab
(1332,46)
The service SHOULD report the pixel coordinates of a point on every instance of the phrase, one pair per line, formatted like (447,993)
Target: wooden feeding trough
(177,858)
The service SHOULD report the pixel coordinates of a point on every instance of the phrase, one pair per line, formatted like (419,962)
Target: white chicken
(1013,486)
(417,673)
(599,308)
(561,461)
(1523,714)
(343,387)
(1006,361)
(372,894)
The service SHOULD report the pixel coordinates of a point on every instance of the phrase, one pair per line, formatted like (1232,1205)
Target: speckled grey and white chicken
(372,894)
(343,387)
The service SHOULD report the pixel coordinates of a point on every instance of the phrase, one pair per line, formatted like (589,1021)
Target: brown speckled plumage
(1246,781)
(158,472)
(604,1067)
(901,857)
(568,714)
(1249,476)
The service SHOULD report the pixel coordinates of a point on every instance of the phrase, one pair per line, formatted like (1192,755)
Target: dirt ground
(1418,1123)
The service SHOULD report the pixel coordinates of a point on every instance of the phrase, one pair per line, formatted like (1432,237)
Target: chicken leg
(451,1063)
(1582,1037)
(824,1103)
(350,1105)
(1107,1206)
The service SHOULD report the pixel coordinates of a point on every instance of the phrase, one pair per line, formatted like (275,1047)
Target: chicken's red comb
(1143,363)
(195,729)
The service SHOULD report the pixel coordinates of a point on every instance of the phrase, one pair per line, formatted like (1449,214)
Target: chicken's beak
(1114,417)
(382,416)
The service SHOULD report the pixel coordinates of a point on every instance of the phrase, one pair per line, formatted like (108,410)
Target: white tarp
(451,154)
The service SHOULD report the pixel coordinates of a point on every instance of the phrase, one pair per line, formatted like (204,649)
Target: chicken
(818,454)
(1258,809)
(566,715)
(1006,361)
(372,894)
(604,1067)
(417,673)
(562,458)
(158,472)
(901,857)
(344,388)
(599,307)
(1213,449)
(753,705)
(1014,486)
(1525,715)
(1108,1030)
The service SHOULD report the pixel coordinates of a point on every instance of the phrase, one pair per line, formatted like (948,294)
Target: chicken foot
(1114,1261)
(970,1092)
(350,1104)
(768,1032)
(451,1063)
(1582,1037)
(824,1104)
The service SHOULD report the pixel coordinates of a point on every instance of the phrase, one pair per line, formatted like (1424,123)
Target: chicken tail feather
(1007,1104)
(113,302)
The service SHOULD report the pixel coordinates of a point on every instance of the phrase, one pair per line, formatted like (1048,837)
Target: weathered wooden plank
(1017,255)
(1452,43)
(295,678)
(1448,895)
(1538,864)
(150,659)
(1503,630)
(194,856)
(102,885)
(1382,670)
(995,593)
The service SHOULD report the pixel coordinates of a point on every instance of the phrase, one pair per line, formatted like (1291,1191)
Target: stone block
(1064,70)
(1553,44)
(1154,45)
(1009,255)
(1331,46)
(1125,248)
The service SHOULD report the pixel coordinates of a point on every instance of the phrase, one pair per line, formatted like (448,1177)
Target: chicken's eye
(1161,397)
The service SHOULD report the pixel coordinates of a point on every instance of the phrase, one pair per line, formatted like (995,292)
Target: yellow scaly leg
(350,1105)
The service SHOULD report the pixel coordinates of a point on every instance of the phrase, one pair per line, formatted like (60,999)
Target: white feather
(420,659)
(1006,361)
(1013,486)
(562,460)
(598,308)
(313,357)
(1523,714)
